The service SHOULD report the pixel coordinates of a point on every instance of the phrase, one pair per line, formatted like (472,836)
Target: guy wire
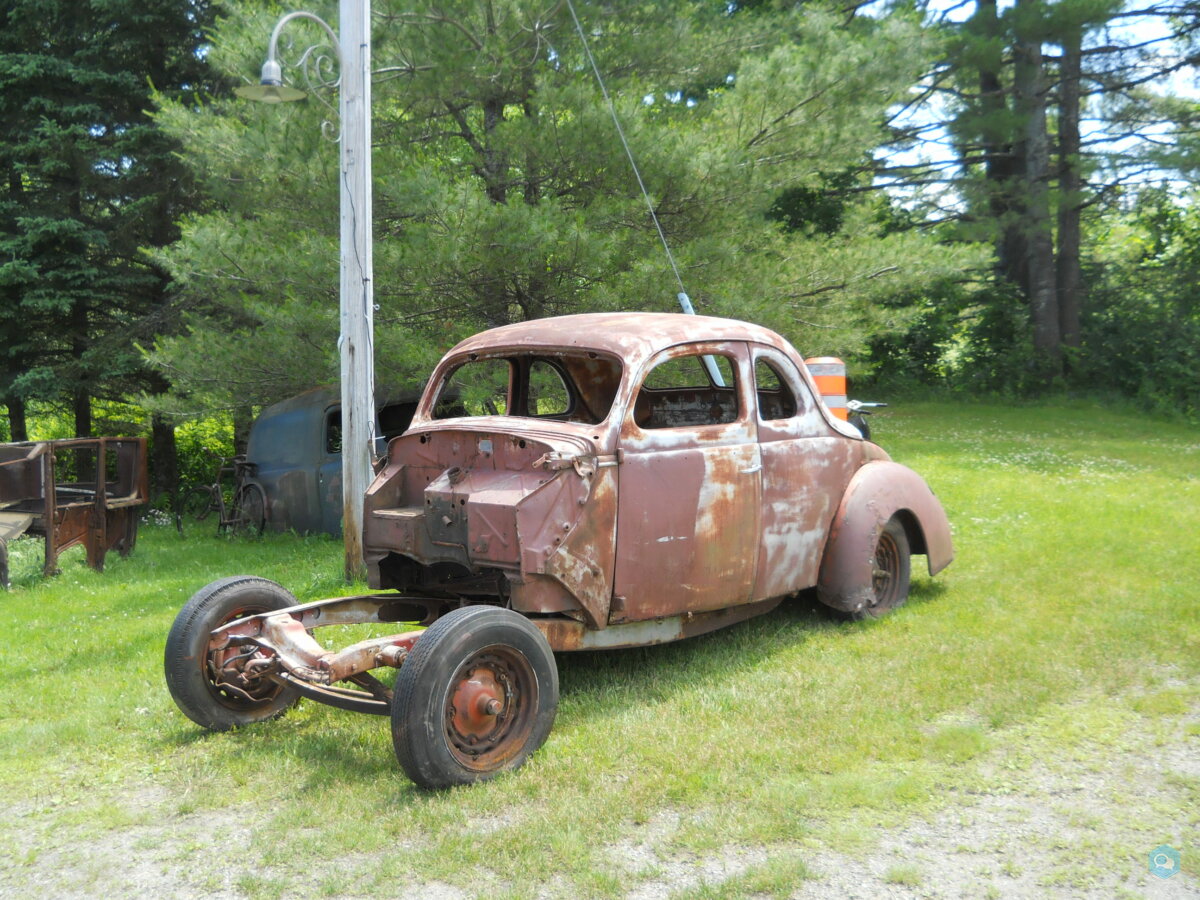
(624,143)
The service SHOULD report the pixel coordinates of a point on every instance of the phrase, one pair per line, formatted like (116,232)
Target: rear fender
(878,491)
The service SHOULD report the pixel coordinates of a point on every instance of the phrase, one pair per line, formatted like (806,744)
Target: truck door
(329,472)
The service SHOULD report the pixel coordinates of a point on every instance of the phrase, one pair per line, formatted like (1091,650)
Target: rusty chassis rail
(279,645)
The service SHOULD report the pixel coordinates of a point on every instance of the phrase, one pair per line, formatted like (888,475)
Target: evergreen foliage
(1017,246)
(89,181)
(1057,113)
(1142,330)
(502,191)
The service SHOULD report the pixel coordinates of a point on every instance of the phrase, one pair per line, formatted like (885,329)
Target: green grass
(1074,587)
(905,873)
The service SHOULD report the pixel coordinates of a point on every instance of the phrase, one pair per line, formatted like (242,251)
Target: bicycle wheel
(250,509)
(194,505)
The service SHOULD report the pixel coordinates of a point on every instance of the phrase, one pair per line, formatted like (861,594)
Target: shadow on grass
(331,748)
(926,590)
(649,674)
(594,685)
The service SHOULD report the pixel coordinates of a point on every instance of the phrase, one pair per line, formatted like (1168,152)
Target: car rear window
(572,387)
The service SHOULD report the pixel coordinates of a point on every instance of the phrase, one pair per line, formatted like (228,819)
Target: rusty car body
(76,491)
(294,454)
(596,481)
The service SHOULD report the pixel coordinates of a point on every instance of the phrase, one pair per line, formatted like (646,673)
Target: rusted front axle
(286,638)
(279,645)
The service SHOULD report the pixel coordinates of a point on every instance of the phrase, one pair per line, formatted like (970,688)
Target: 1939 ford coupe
(577,483)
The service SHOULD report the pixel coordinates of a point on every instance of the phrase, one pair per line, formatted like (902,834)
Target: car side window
(548,395)
(394,418)
(679,392)
(333,432)
(787,407)
(775,398)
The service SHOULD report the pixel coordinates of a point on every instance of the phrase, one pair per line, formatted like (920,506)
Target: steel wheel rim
(885,572)
(490,708)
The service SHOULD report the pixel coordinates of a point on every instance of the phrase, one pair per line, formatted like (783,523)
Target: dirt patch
(1080,826)
(1025,824)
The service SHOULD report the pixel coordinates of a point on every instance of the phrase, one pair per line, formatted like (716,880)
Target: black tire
(193,505)
(496,665)
(250,509)
(891,571)
(860,422)
(190,668)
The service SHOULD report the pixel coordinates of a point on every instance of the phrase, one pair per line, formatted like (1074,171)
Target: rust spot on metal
(566,636)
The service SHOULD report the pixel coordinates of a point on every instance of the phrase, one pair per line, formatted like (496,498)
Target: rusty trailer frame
(78,491)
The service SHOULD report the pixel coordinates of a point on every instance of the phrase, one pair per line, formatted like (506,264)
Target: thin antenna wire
(685,302)
(613,111)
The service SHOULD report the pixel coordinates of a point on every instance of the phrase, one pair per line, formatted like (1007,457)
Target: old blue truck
(295,456)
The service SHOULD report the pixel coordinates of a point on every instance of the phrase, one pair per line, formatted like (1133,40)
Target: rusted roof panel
(632,336)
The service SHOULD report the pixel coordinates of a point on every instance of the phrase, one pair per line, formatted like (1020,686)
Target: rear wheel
(475,698)
(891,570)
(199,678)
(250,509)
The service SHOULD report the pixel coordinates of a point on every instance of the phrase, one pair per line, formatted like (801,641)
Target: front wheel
(194,505)
(201,681)
(475,698)
(891,570)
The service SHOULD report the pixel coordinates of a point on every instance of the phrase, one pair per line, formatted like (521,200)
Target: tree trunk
(81,404)
(164,462)
(1030,96)
(1070,192)
(81,400)
(495,164)
(1002,162)
(243,418)
(18,428)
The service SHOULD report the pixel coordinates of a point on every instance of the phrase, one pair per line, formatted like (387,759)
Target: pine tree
(502,191)
(1017,84)
(90,180)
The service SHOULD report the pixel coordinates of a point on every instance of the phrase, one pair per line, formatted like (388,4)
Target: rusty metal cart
(76,491)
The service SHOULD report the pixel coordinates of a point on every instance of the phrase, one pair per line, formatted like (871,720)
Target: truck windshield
(571,387)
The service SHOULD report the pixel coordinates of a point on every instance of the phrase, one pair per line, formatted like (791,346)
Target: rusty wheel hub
(236,673)
(488,709)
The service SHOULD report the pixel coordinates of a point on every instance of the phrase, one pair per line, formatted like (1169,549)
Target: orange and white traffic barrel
(829,373)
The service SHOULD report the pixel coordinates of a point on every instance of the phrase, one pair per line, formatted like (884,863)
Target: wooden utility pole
(356,341)
(356,336)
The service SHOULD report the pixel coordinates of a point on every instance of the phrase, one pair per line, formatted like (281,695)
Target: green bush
(199,443)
